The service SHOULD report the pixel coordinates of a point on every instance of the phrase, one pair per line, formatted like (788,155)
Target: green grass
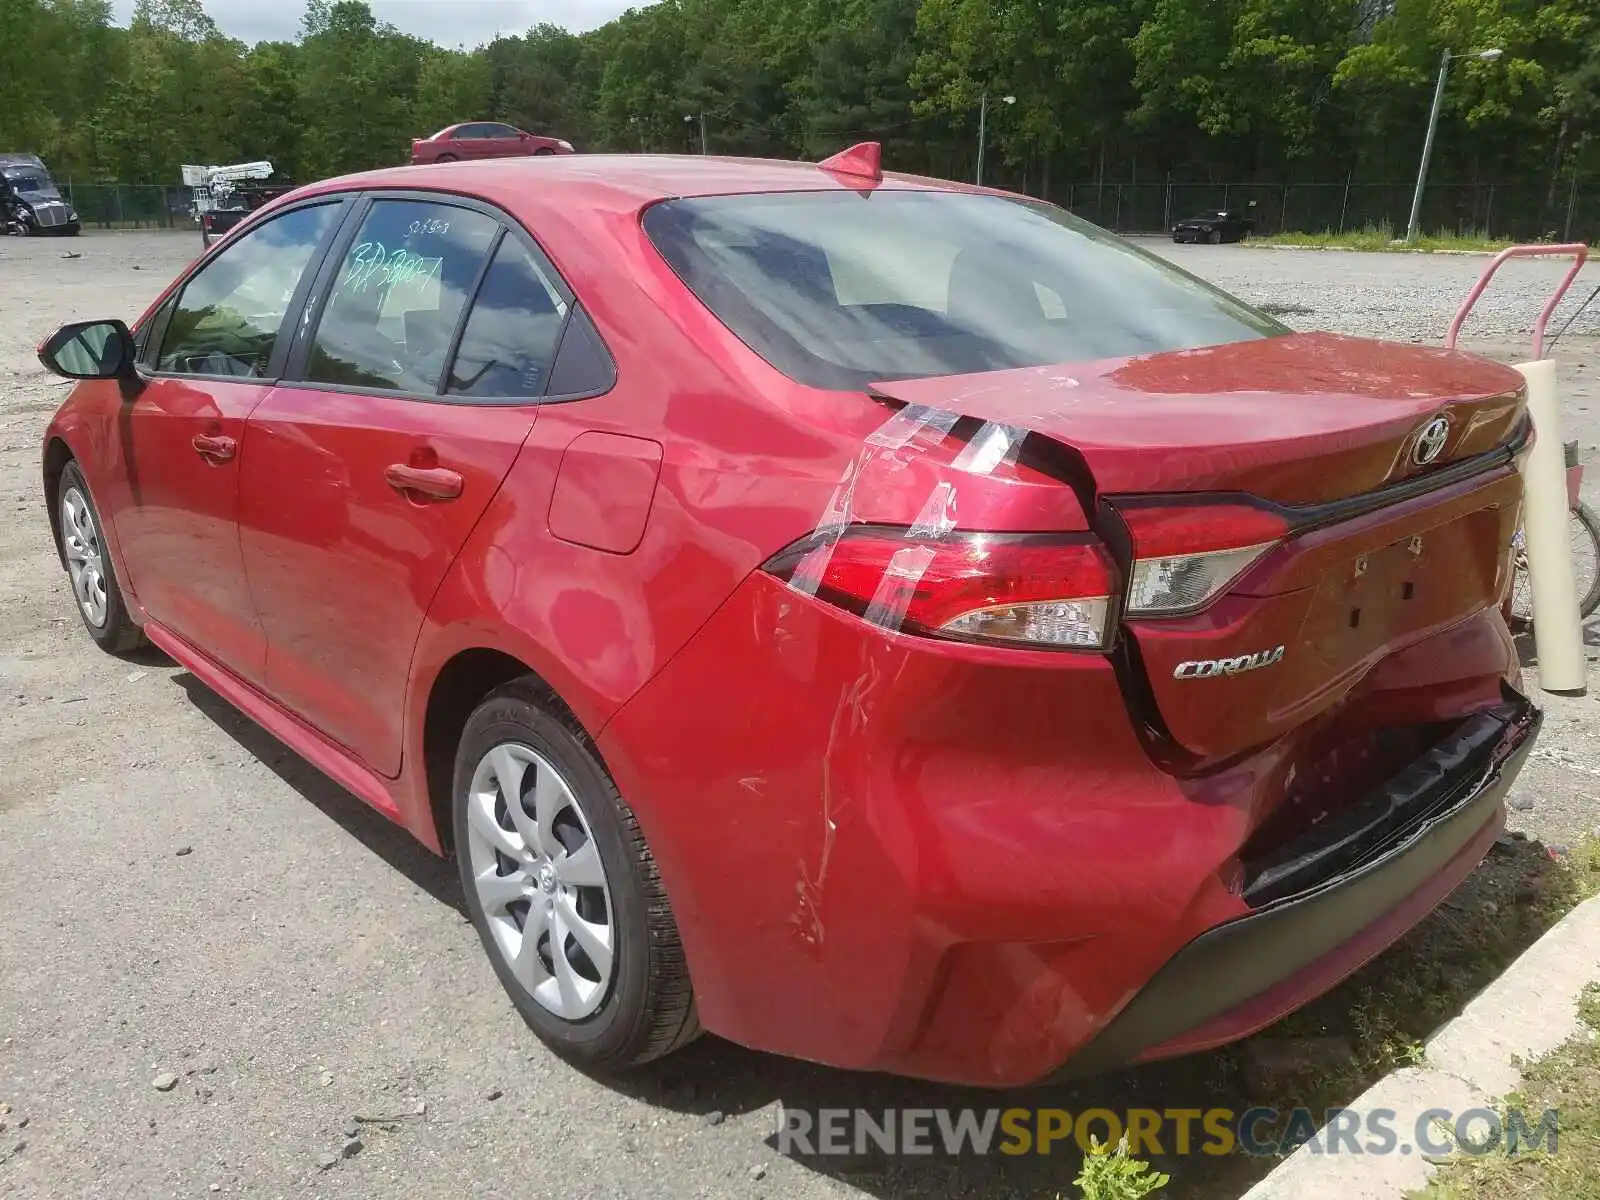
(1383,237)
(1110,1173)
(1568,1080)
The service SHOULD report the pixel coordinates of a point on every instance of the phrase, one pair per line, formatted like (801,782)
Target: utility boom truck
(224,196)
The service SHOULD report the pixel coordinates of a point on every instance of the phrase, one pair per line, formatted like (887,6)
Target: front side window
(512,331)
(839,289)
(399,293)
(228,317)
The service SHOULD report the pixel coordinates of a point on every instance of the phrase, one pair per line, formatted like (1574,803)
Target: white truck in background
(224,196)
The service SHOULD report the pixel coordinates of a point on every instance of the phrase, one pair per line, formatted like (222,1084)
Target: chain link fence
(131,206)
(1516,211)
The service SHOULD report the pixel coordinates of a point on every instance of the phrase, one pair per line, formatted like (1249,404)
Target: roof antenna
(862,161)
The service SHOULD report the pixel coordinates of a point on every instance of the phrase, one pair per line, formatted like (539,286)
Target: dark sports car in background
(1228,225)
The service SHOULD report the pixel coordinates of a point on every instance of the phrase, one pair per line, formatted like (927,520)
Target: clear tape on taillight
(1185,557)
(1037,590)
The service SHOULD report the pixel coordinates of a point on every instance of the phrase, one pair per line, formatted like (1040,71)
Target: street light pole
(983,121)
(1413,226)
(689,120)
(983,115)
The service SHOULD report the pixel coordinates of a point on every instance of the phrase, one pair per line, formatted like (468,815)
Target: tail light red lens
(1184,557)
(1043,591)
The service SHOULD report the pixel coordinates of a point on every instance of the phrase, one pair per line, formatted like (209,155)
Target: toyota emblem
(1430,442)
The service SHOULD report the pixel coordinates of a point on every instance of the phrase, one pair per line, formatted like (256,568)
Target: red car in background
(875,619)
(483,139)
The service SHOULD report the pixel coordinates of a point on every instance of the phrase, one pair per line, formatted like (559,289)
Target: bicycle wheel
(1586,557)
(1584,538)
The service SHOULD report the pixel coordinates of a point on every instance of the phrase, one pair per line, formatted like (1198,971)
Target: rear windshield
(841,289)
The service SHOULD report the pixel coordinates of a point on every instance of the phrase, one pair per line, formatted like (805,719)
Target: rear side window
(399,293)
(513,330)
(227,318)
(840,289)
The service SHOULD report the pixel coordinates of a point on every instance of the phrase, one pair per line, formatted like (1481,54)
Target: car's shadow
(1325,1055)
(372,829)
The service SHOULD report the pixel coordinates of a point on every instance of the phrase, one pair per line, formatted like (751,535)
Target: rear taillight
(1042,591)
(1185,557)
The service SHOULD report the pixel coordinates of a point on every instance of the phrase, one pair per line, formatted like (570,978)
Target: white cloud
(448,22)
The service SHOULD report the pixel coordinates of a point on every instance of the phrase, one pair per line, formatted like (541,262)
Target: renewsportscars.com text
(1150,1132)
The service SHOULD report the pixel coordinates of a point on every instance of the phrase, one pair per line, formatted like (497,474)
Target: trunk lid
(1301,421)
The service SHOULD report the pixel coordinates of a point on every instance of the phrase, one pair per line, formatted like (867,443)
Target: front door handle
(435,483)
(216,448)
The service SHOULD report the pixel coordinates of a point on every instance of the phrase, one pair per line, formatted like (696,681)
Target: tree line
(1126,90)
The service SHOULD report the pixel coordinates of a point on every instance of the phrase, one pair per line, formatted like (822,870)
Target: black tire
(446,158)
(1586,517)
(1214,238)
(1519,604)
(116,633)
(542,151)
(648,1008)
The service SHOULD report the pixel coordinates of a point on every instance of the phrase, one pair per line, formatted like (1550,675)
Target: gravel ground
(212,959)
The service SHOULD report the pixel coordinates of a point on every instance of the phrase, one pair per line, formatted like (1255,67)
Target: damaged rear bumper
(1331,900)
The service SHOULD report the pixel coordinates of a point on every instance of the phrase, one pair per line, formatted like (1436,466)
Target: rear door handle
(436,483)
(218,449)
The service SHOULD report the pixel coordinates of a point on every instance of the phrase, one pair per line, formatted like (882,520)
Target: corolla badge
(1210,668)
(1430,441)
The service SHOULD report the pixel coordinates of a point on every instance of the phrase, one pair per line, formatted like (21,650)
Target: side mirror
(89,350)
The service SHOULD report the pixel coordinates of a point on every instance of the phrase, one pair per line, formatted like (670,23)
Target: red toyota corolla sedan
(484,139)
(870,618)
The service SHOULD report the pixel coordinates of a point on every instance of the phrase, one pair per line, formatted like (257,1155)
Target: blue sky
(448,22)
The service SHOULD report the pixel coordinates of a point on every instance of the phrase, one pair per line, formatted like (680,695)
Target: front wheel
(1214,237)
(94,580)
(563,890)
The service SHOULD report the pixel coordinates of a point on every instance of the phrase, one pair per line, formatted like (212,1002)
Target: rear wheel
(563,889)
(94,580)
(1586,558)
(447,158)
(1584,538)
